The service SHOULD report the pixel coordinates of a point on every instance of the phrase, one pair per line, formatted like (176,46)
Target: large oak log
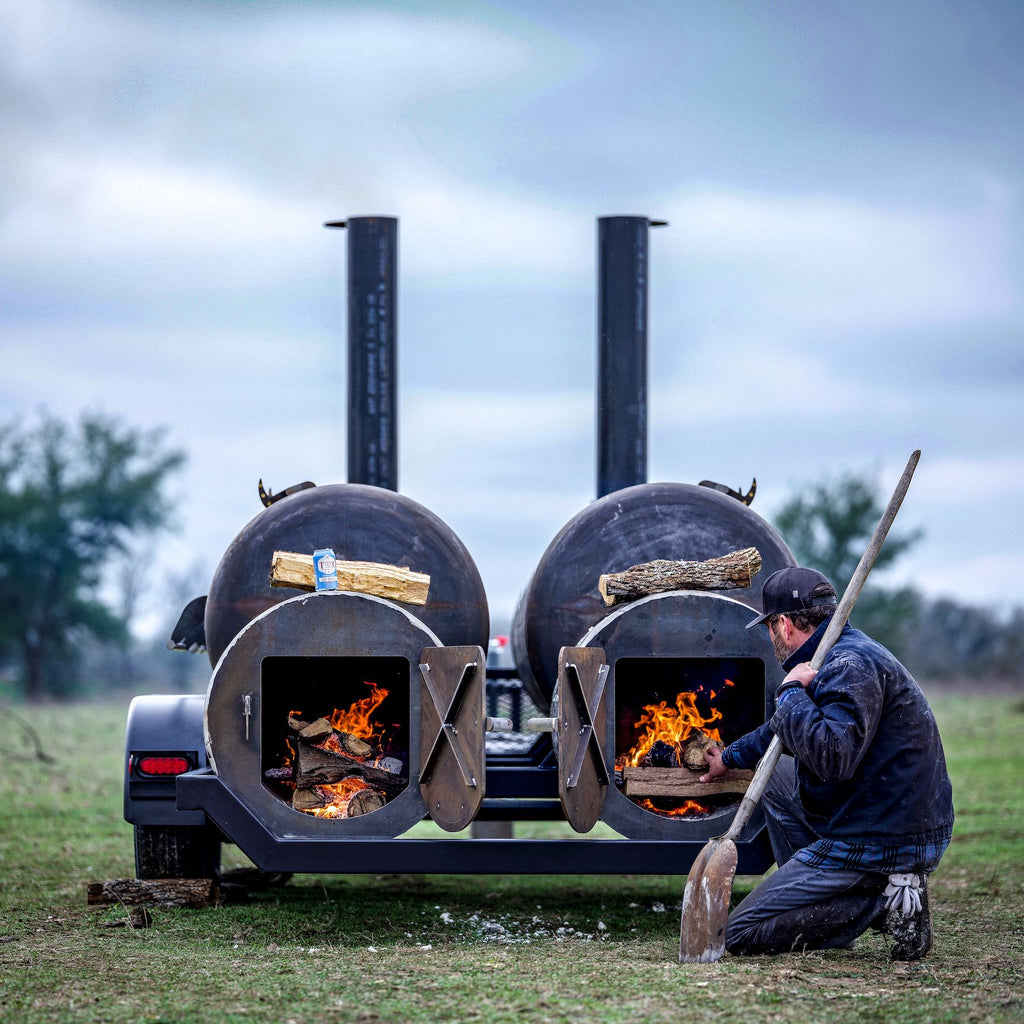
(396,583)
(683,783)
(167,892)
(727,572)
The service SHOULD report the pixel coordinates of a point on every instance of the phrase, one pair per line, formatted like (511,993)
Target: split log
(727,572)
(693,752)
(167,892)
(353,744)
(317,767)
(363,802)
(683,783)
(307,799)
(394,582)
(315,732)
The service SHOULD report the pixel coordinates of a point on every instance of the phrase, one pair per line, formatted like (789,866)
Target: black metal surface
(372,332)
(622,287)
(638,524)
(361,855)
(360,523)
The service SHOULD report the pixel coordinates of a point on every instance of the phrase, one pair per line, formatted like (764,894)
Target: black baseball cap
(795,589)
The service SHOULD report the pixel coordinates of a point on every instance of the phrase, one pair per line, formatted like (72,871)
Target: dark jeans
(800,907)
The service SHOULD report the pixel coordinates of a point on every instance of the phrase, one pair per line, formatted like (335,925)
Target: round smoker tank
(692,624)
(675,521)
(305,628)
(361,523)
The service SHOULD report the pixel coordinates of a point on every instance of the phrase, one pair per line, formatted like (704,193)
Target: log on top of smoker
(317,767)
(683,782)
(168,892)
(727,572)
(395,582)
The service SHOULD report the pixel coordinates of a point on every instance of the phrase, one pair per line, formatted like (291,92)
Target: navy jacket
(870,764)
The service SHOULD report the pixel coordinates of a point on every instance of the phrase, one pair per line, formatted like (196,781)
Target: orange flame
(671,725)
(687,807)
(337,795)
(356,720)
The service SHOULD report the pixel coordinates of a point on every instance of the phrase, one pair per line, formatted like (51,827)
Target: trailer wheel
(176,851)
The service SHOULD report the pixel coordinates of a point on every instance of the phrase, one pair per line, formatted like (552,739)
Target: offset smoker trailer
(200,770)
(457,773)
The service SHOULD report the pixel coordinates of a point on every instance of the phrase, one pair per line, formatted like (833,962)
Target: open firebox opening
(667,711)
(335,732)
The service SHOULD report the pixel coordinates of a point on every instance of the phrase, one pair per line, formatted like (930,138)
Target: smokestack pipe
(372,333)
(622,286)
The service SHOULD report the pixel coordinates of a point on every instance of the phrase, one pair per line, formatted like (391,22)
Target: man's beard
(782,652)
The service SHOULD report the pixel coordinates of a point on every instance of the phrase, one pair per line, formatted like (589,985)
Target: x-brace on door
(583,777)
(453,723)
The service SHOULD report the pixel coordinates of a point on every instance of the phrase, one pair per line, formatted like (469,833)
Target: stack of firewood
(333,767)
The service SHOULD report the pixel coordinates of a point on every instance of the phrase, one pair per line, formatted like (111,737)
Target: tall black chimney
(372,333)
(622,285)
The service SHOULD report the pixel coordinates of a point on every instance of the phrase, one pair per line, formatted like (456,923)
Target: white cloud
(831,262)
(971,579)
(965,480)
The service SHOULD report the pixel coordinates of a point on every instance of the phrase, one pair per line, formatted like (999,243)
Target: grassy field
(455,948)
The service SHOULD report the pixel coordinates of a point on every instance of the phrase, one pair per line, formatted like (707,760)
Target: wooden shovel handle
(771,756)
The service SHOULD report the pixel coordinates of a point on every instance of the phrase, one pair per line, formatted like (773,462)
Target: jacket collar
(806,650)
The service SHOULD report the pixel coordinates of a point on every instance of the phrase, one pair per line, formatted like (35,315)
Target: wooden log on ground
(394,582)
(727,572)
(166,892)
(683,782)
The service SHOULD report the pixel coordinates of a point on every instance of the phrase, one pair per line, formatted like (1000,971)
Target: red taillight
(163,765)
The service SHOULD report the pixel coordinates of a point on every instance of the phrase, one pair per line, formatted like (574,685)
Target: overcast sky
(840,283)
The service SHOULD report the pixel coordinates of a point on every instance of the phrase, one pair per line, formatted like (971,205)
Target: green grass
(465,948)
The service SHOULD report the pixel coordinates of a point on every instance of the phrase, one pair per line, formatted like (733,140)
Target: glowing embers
(335,732)
(668,711)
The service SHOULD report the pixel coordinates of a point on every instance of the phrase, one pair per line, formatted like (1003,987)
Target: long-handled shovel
(709,883)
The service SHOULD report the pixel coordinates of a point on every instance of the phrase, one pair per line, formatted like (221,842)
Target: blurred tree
(952,640)
(828,527)
(70,501)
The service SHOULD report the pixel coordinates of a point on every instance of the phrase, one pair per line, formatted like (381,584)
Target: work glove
(903,893)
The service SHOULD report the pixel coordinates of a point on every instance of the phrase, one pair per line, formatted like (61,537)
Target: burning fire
(686,807)
(671,725)
(355,737)
(337,797)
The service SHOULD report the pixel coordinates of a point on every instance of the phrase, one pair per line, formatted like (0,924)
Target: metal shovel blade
(706,903)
